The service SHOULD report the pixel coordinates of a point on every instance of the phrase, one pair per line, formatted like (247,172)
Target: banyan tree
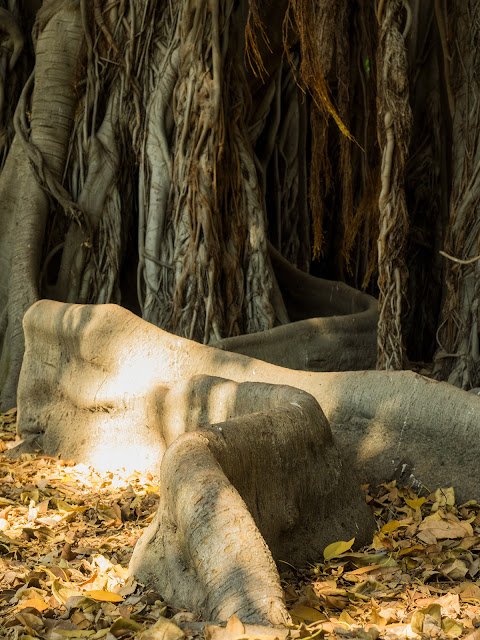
(280,198)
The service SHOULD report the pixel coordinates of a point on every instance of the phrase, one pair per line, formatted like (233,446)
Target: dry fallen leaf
(443,529)
(68,508)
(390,526)
(35,603)
(302,613)
(104,596)
(337,548)
(163,629)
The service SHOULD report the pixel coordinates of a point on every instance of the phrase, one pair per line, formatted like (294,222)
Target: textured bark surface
(457,358)
(394,125)
(38,156)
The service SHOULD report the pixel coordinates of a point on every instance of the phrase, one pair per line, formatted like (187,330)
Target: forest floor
(67,534)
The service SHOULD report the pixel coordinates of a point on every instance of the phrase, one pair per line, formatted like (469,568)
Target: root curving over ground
(226,431)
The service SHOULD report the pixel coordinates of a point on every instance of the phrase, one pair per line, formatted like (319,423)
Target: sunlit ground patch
(67,534)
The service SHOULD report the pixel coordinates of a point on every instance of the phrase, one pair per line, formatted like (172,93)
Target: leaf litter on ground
(67,535)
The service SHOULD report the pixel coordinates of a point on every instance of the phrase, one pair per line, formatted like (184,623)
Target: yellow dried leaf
(26,496)
(409,550)
(382,541)
(65,506)
(418,618)
(56,572)
(390,614)
(61,594)
(36,603)
(163,629)
(121,625)
(390,526)
(104,596)
(444,497)
(415,504)
(357,574)
(376,619)
(337,548)
(321,586)
(401,630)
(450,604)
(452,628)
(306,614)
(469,592)
(346,617)
(367,569)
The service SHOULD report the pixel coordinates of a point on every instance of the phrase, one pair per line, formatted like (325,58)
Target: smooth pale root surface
(264,470)
(104,359)
(99,380)
(277,469)
(333,326)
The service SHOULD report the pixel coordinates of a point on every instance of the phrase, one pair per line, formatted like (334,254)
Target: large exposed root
(333,328)
(137,392)
(101,385)
(204,545)
(110,368)
(203,550)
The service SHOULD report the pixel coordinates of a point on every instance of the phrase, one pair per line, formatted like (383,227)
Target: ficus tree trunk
(172,141)
(36,158)
(457,358)
(203,268)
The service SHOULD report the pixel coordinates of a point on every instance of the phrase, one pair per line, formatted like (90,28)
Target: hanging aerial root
(202,239)
(306,20)
(15,40)
(314,25)
(394,125)
(458,354)
(44,140)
